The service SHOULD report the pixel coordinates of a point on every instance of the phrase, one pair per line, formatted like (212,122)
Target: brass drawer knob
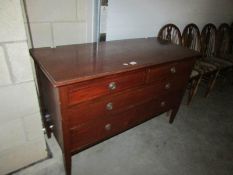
(108,127)
(163,103)
(167,86)
(173,70)
(109,106)
(112,86)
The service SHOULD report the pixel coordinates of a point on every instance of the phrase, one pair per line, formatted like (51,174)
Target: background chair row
(215,46)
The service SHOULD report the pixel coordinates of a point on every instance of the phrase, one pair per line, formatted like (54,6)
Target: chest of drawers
(89,92)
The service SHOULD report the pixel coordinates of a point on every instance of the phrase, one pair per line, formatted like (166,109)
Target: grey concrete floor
(199,142)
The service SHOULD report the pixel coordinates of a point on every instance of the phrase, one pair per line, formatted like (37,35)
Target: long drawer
(99,129)
(102,86)
(112,104)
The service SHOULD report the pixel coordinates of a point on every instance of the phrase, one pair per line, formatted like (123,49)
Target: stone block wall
(21,137)
(60,22)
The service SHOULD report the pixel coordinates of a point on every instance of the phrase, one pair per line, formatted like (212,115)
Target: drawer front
(98,87)
(173,70)
(112,104)
(100,129)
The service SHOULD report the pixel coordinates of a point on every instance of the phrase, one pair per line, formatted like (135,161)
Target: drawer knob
(112,86)
(163,103)
(173,70)
(167,86)
(108,127)
(51,127)
(109,106)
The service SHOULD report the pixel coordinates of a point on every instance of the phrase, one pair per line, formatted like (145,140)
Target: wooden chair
(225,42)
(170,32)
(191,39)
(209,39)
(223,48)
(231,41)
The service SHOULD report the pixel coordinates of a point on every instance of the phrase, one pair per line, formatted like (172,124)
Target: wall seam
(7,59)
(13,42)
(14,119)
(18,83)
(76,9)
(55,21)
(6,151)
(24,129)
(52,35)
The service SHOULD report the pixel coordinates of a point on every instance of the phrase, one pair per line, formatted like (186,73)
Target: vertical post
(103,20)
(67,162)
(98,8)
(28,22)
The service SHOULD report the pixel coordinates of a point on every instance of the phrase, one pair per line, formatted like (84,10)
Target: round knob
(112,86)
(108,127)
(163,103)
(47,117)
(109,106)
(51,126)
(167,86)
(173,70)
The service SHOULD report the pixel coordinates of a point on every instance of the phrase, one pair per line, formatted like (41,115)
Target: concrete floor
(200,142)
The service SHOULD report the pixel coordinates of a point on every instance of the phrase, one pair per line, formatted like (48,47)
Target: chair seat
(219,62)
(204,67)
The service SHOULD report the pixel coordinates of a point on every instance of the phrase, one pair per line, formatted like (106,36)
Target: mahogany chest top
(74,63)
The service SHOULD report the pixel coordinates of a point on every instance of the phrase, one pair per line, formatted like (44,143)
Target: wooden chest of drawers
(91,92)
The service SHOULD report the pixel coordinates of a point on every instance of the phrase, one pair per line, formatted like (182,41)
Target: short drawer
(94,88)
(100,129)
(169,71)
(112,104)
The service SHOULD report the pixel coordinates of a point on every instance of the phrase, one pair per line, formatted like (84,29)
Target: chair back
(208,40)
(223,40)
(191,37)
(170,32)
(231,42)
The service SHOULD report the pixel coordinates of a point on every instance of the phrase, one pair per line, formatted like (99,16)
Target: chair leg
(191,91)
(211,83)
(168,113)
(232,75)
(194,87)
(197,85)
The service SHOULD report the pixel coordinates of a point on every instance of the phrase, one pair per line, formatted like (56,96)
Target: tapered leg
(191,91)
(173,114)
(66,145)
(194,87)
(211,83)
(67,163)
(168,113)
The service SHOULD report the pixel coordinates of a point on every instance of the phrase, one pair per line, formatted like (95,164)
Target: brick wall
(21,138)
(60,22)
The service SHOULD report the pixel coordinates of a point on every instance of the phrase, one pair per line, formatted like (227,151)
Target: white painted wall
(61,22)
(137,18)
(21,137)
